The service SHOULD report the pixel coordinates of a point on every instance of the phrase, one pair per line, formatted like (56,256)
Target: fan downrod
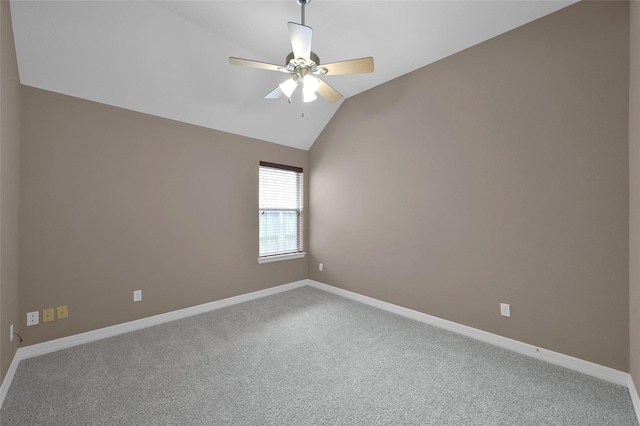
(302,4)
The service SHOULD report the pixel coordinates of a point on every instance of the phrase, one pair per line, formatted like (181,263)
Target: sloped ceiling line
(169,58)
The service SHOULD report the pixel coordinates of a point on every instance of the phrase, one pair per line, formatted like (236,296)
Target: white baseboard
(576,364)
(6,383)
(103,333)
(586,367)
(633,392)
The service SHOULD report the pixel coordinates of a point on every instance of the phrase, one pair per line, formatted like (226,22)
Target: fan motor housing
(313,57)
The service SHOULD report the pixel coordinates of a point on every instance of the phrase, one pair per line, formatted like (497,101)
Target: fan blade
(329,93)
(300,40)
(354,66)
(254,64)
(274,94)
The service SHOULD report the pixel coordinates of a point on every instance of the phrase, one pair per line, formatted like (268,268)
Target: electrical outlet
(63,312)
(320,267)
(11,333)
(33,318)
(137,295)
(47,315)
(505,310)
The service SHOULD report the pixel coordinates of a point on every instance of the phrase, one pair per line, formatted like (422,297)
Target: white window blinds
(281,202)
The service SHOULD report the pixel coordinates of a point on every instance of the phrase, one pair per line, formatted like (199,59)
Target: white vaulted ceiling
(170,58)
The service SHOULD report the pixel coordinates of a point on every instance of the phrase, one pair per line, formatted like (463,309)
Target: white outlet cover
(320,266)
(137,295)
(33,318)
(11,333)
(505,310)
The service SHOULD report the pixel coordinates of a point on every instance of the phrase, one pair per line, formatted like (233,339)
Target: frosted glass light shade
(309,96)
(310,83)
(309,86)
(288,87)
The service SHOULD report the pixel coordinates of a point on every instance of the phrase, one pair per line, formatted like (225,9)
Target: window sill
(280,257)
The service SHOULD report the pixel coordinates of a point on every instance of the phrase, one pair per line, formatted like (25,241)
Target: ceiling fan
(304,65)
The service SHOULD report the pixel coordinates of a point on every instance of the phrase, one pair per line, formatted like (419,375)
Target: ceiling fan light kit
(303,66)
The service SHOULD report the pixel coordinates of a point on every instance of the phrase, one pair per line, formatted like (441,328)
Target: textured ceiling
(170,58)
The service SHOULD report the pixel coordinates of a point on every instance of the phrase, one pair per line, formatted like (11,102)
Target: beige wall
(496,175)
(114,201)
(499,174)
(634,192)
(9,174)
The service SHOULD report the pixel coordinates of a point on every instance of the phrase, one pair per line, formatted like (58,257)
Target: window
(280,212)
